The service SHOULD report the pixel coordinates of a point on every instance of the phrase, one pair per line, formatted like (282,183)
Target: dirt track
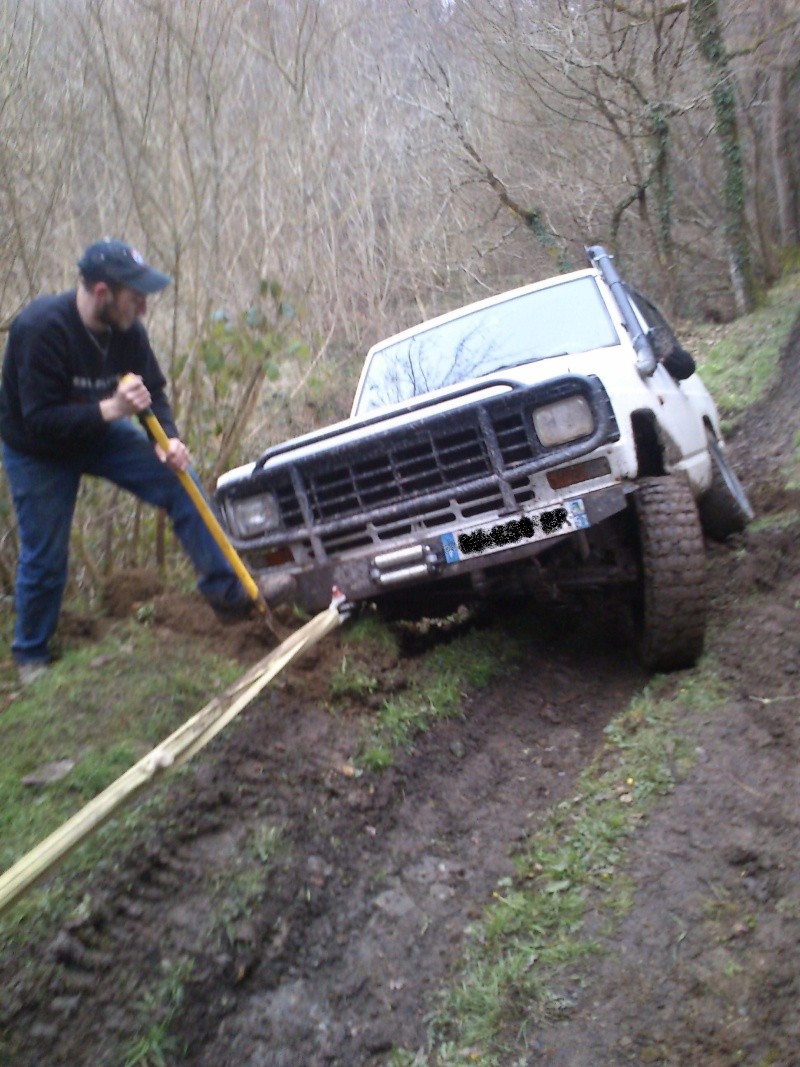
(339,954)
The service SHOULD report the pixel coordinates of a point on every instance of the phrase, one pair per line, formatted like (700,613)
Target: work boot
(230,614)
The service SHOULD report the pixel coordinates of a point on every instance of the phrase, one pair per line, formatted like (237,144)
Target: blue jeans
(44,493)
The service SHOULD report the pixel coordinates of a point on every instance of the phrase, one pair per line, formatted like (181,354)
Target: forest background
(317,174)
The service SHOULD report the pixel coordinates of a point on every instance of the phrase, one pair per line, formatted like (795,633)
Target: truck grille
(393,472)
(431,462)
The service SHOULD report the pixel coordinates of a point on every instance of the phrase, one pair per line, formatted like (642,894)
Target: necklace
(101,346)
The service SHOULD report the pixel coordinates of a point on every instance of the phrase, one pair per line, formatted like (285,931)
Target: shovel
(156,430)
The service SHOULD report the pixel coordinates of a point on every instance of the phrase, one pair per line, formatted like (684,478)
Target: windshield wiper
(523,360)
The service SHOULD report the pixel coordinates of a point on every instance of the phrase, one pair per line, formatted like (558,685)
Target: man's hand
(131,398)
(177,458)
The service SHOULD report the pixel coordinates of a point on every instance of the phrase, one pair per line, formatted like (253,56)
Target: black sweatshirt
(54,377)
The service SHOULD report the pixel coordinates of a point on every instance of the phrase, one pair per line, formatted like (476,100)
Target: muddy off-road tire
(670,609)
(724,508)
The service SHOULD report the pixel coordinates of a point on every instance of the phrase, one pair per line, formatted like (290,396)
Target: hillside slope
(293,912)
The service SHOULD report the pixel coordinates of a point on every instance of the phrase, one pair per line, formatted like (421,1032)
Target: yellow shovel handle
(207,515)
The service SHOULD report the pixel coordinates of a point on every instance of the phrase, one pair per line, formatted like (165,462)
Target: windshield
(562,319)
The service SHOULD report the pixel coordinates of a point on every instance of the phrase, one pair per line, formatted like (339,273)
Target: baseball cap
(118,263)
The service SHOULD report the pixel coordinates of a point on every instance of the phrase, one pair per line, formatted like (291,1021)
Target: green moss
(738,361)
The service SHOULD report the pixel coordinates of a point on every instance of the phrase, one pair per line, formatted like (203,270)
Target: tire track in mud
(703,969)
(338,954)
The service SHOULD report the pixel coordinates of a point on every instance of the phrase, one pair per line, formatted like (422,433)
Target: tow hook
(340,603)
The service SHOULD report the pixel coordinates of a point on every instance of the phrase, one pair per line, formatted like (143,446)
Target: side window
(659,331)
(667,347)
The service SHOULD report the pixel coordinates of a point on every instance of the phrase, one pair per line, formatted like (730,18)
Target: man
(77,367)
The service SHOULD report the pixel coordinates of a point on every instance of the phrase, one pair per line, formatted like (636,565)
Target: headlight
(566,420)
(253,515)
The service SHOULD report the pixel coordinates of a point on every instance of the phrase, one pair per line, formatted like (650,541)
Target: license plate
(525,529)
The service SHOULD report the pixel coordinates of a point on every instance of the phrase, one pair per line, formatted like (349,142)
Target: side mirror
(679,363)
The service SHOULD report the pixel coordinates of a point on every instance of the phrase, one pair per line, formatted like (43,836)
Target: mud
(312,914)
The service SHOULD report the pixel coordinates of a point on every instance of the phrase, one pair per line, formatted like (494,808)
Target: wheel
(724,507)
(671,597)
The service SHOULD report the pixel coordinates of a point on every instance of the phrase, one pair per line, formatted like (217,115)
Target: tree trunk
(707,29)
(786,193)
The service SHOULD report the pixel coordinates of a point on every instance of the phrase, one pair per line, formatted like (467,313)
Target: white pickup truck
(550,438)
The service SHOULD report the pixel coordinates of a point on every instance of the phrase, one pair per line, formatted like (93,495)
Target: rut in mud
(368,883)
(365,906)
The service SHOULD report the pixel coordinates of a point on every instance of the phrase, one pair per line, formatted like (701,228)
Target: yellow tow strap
(176,750)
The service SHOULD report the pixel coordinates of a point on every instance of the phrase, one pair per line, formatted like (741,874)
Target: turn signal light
(578,472)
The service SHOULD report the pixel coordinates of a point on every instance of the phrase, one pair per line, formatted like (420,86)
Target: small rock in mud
(66,1005)
(49,772)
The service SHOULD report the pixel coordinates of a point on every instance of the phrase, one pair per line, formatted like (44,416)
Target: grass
(92,710)
(352,682)
(436,690)
(517,968)
(465,659)
(154,1045)
(242,884)
(737,360)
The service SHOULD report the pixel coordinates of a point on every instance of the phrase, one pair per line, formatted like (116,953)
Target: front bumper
(442,557)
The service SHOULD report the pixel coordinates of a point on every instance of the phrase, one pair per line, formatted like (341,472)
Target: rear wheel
(671,595)
(724,507)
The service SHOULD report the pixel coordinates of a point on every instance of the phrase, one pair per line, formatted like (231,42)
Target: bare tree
(706,23)
(316,174)
(590,94)
(37,147)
